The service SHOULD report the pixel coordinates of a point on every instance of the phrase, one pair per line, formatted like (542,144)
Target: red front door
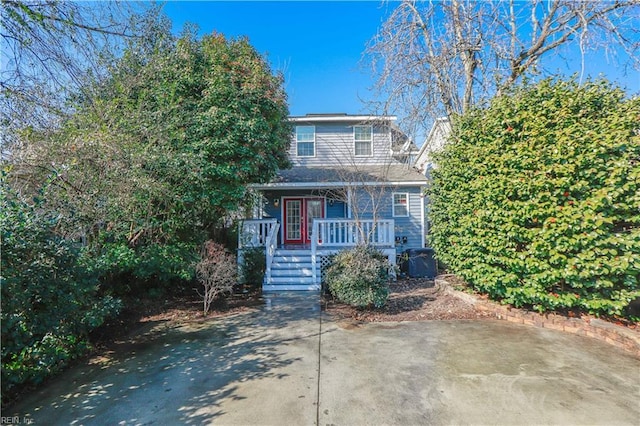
(298,214)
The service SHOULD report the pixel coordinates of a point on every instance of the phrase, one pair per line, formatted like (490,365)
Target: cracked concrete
(286,363)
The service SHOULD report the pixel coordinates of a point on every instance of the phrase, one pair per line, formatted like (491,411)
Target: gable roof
(438,135)
(325,177)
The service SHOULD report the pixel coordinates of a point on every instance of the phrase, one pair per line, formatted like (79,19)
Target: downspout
(422,217)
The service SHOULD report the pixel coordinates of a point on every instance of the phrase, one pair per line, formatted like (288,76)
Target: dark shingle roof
(396,174)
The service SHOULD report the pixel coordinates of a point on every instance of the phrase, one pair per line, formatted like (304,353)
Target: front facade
(351,181)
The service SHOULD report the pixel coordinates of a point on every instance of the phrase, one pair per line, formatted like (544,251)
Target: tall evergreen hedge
(536,200)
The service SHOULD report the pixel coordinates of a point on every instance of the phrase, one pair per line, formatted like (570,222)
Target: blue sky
(318,46)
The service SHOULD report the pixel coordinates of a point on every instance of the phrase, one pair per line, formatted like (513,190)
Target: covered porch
(299,265)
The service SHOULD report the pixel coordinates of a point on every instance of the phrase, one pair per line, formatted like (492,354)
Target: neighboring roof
(323,177)
(400,142)
(436,139)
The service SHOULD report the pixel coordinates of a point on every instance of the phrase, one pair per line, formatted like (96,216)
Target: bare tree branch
(440,58)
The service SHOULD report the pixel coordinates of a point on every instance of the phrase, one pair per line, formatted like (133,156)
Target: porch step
(279,263)
(291,280)
(291,270)
(288,287)
(287,272)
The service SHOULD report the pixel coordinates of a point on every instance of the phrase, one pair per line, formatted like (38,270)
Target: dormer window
(363,141)
(306,141)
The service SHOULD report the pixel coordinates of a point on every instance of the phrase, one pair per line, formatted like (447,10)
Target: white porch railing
(270,249)
(255,232)
(327,235)
(349,232)
(259,233)
(341,233)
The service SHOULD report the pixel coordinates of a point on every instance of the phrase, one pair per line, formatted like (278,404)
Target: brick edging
(621,337)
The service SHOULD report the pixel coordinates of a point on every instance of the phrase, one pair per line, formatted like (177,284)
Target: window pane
(401,211)
(363,148)
(362,133)
(305,149)
(293,219)
(399,199)
(400,205)
(305,133)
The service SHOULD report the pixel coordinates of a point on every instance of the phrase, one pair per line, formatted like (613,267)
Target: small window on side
(400,204)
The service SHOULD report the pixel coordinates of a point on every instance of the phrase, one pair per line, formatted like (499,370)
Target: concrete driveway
(287,364)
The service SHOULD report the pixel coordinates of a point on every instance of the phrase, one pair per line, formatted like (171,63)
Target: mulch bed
(182,307)
(410,299)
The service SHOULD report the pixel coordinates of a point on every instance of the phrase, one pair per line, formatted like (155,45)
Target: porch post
(314,247)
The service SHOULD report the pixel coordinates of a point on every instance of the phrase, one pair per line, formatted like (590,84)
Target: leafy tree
(49,300)
(440,58)
(536,200)
(163,149)
(125,184)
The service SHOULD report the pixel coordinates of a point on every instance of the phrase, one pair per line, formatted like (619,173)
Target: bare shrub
(216,271)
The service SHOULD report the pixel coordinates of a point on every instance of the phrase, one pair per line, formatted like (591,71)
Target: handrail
(271,245)
(255,232)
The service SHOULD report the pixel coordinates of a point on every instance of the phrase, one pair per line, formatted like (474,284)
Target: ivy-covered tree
(535,201)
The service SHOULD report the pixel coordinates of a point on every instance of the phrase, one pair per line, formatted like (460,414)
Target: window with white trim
(363,141)
(400,204)
(305,141)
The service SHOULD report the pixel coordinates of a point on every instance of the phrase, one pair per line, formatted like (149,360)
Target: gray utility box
(419,263)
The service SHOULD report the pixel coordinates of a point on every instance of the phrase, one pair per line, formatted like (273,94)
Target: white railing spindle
(349,232)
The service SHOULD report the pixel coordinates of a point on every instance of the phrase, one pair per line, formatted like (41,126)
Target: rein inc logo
(16,420)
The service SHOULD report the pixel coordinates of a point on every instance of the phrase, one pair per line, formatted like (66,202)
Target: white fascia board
(320,185)
(436,125)
(351,118)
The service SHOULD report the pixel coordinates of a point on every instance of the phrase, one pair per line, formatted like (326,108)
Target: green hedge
(536,200)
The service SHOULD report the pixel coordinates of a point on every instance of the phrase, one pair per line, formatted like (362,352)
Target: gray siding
(410,226)
(335,146)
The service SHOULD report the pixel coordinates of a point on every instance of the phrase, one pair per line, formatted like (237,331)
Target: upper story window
(306,141)
(363,137)
(400,204)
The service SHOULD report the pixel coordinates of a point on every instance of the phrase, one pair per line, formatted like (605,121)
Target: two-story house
(351,182)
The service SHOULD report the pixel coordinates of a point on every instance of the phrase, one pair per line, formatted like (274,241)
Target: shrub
(359,277)
(252,267)
(535,200)
(127,271)
(216,271)
(49,300)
